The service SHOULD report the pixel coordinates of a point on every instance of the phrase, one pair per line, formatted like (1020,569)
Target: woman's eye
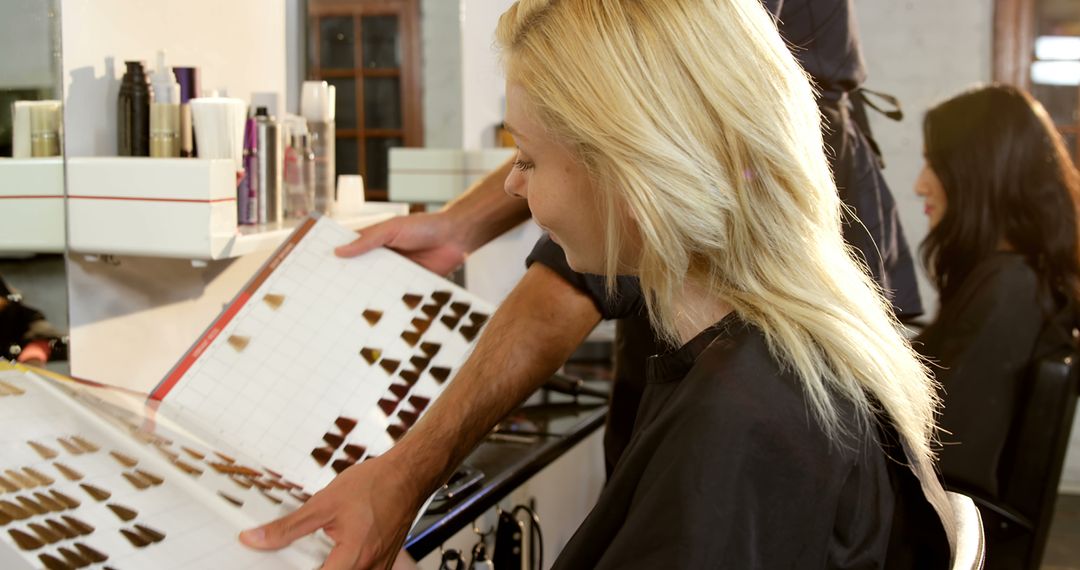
(522,165)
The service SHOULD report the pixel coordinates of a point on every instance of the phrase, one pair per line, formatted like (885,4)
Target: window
(1037,46)
(369,50)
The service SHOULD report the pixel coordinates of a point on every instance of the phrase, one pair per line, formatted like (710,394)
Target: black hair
(1008,181)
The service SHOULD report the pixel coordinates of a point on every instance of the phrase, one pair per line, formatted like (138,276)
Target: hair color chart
(321,361)
(86,483)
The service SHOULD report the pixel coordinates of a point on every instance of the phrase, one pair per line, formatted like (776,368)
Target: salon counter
(532,437)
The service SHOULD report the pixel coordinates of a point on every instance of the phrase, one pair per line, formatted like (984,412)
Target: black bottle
(133,126)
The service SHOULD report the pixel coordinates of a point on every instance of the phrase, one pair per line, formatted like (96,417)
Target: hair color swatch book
(87,478)
(319,363)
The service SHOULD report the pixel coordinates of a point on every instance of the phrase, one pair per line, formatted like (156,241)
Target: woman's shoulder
(739,384)
(1006,270)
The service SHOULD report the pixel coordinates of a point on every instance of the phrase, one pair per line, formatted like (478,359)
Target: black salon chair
(1017,521)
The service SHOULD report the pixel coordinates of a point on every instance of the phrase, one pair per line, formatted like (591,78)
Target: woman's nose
(515,184)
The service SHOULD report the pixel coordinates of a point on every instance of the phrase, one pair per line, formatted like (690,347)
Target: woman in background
(1001,194)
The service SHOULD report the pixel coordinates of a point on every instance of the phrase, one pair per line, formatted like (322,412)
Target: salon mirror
(33,292)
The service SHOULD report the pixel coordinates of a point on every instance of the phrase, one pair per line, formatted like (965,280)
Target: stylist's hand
(430,240)
(366,511)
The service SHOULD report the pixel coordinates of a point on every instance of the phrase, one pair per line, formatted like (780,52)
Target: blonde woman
(678,142)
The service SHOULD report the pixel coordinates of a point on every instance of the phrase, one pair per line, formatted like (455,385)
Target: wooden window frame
(407,12)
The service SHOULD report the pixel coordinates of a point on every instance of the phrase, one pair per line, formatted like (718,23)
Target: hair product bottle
(164,112)
(270,159)
(133,126)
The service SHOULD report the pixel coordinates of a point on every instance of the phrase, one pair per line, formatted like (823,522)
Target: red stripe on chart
(200,347)
(223,320)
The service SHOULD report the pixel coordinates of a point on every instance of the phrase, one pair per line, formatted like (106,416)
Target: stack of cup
(219,128)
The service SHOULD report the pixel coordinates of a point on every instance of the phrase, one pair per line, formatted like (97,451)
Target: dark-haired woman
(1001,195)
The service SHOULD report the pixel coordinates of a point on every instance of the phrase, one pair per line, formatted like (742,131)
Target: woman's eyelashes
(522,164)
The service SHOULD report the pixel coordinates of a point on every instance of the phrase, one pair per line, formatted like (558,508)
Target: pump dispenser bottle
(164,112)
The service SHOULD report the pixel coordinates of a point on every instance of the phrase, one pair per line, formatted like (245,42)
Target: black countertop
(533,436)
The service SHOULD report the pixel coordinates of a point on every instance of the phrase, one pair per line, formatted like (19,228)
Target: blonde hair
(694,118)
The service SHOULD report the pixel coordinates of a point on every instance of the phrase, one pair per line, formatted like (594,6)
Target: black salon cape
(725,468)
(983,344)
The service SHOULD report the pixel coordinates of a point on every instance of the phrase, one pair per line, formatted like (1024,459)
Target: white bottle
(164,111)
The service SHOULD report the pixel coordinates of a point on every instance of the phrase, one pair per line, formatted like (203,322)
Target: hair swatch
(390,366)
(123,513)
(44,451)
(440,373)
(342,464)
(231,499)
(322,455)
(47,536)
(274,300)
(137,540)
(68,473)
(387,406)
(86,445)
(61,529)
(48,503)
(53,563)
(239,343)
(125,460)
(74,559)
(36,475)
(24,541)
(344,424)
(77,525)
(70,447)
(372,316)
(153,535)
(399,390)
(450,321)
(97,493)
(371,355)
(333,439)
(90,554)
(64,499)
(137,481)
(354,451)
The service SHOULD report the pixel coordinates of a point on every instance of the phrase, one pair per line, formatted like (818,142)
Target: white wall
(239,46)
(482,79)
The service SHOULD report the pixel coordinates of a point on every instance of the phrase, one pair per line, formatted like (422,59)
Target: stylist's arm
(367,509)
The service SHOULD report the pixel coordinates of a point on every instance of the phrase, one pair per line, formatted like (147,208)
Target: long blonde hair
(693,117)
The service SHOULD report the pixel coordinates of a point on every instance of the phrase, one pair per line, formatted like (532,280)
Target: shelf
(31,205)
(251,239)
(174,208)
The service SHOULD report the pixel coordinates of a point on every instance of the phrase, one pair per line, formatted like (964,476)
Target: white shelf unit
(174,208)
(31,205)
